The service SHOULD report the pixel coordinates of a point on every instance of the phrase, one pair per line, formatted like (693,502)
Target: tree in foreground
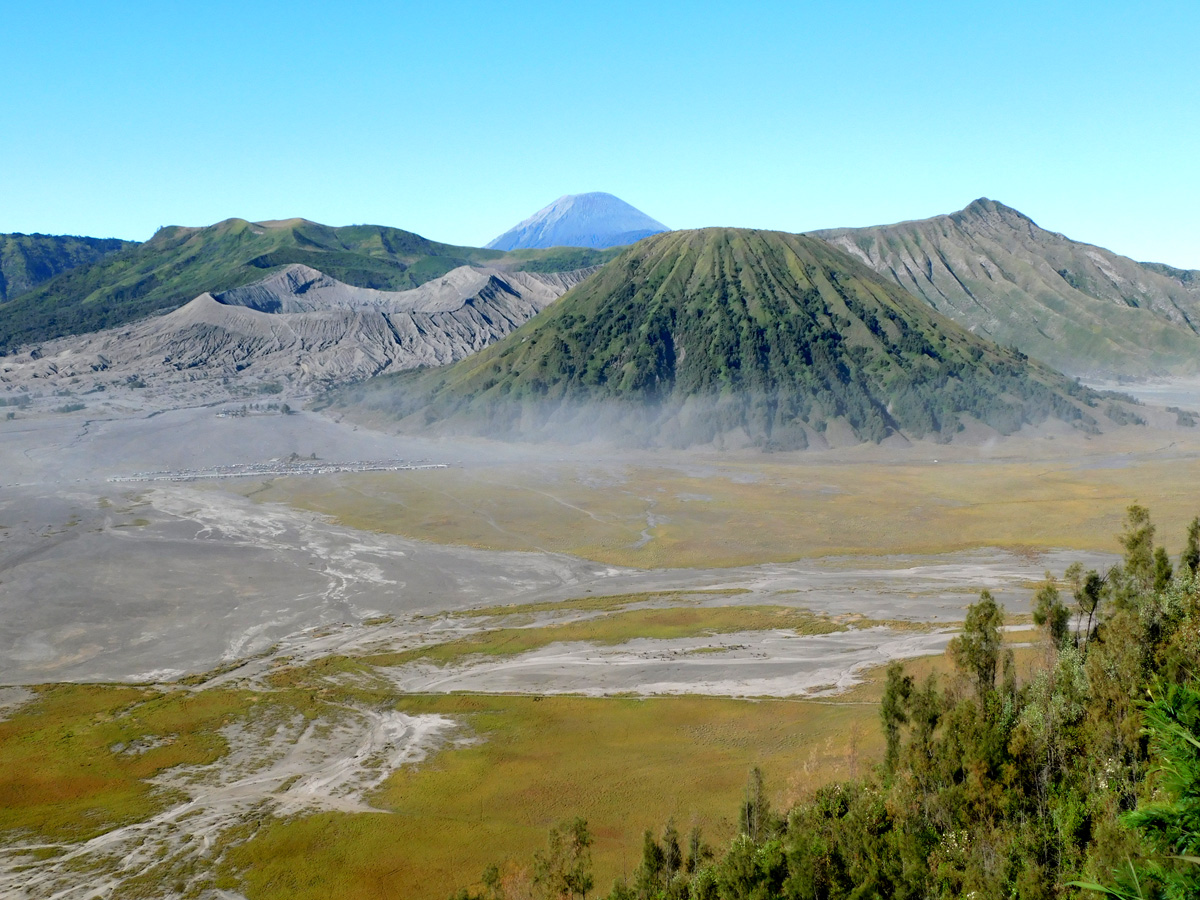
(1170,824)
(564,871)
(978,650)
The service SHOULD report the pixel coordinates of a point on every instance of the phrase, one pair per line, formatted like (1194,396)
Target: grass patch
(764,511)
(330,678)
(618,628)
(537,760)
(624,764)
(608,603)
(60,779)
(198,678)
(67,772)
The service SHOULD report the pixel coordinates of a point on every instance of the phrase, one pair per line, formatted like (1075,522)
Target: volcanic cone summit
(580,220)
(778,339)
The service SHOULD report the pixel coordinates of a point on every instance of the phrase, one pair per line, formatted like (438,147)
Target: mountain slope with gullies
(28,260)
(299,328)
(177,264)
(581,220)
(1081,308)
(734,336)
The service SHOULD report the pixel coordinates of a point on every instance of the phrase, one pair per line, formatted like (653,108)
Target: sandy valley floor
(297,644)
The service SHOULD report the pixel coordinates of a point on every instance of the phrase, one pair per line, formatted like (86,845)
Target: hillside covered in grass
(27,260)
(178,264)
(774,339)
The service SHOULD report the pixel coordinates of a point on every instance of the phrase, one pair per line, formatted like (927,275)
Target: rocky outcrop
(303,328)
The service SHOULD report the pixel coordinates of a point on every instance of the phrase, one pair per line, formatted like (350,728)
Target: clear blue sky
(456,120)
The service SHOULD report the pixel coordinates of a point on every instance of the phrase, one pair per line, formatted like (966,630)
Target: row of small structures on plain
(277,469)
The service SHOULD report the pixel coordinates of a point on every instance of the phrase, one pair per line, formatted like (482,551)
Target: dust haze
(105,577)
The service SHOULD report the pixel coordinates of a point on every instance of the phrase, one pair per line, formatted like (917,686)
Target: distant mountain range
(27,260)
(580,220)
(178,263)
(1078,307)
(734,336)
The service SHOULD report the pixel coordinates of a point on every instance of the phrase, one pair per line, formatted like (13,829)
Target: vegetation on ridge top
(27,260)
(177,264)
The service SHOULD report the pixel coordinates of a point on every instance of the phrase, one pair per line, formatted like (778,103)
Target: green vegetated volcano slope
(774,338)
(1078,307)
(27,260)
(178,263)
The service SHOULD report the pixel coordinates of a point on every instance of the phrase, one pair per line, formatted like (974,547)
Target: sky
(456,120)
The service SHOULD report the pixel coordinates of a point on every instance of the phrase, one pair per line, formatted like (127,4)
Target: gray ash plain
(149,582)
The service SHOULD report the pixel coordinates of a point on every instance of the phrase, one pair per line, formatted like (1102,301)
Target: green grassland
(755,511)
(74,762)
(545,759)
(618,628)
(64,772)
(605,603)
(66,777)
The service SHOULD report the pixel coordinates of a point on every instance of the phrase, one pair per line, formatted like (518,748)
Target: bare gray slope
(300,326)
(300,289)
(581,220)
(1081,308)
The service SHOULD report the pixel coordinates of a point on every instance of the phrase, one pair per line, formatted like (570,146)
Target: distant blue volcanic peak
(581,220)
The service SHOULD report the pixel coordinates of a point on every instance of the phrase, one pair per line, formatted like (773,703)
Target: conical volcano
(691,335)
(580,220)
